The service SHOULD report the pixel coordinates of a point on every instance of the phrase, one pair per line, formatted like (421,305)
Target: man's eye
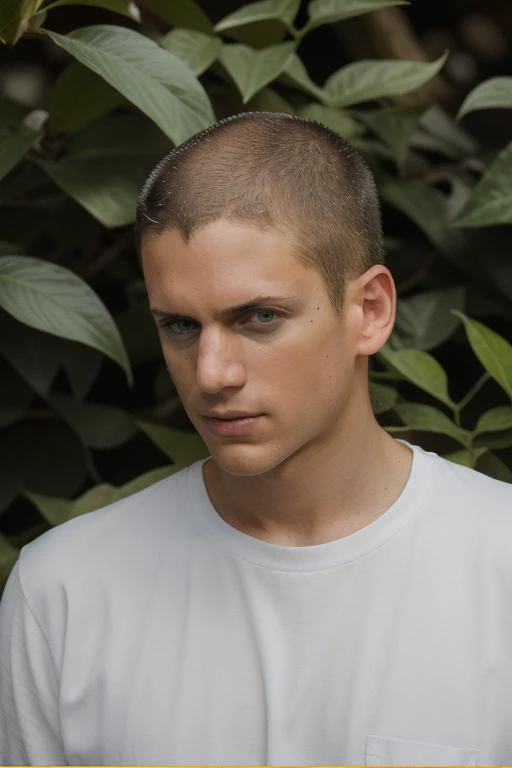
(180,326)
(264,316)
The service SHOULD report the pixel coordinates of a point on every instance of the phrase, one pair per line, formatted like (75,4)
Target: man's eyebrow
(257,301)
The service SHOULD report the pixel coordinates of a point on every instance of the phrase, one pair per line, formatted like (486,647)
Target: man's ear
(376,297)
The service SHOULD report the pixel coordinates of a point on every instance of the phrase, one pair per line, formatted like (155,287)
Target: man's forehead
(233,264)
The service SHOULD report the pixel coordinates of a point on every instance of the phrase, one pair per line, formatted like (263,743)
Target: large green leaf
(426,206)
(336,119)
(179,13)
(451,138)
(493,466)
(495,420)
(197,50)
(491,200)
(53,299)
(295,73)
(101,427)
(467,457)
(106,187)
(425,418)
(493,351)
(37,357)
(253,70)
(496,92)
(153,79)
(368,80)
(421,369)
(181,447)
(268,100)
(280,10)
(8,556)
(44,455)
(124,7)
(15,17)
(103,172)
(79,97)
(425,320)
(327,11)
(14,146)
(395,126)
(15,396)
(57,511)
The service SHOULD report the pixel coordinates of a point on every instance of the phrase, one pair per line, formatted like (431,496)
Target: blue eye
(180,326)
(265,315)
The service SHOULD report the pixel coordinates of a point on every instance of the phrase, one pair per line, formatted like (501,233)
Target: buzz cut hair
(275,171)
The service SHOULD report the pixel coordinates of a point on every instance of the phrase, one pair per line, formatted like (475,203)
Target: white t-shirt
(152,632)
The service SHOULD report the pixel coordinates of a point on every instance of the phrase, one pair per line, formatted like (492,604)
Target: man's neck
(315,496)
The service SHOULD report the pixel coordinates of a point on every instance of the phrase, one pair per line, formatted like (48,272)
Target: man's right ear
(376,295)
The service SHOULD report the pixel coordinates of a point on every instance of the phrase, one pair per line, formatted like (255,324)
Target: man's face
(262,363)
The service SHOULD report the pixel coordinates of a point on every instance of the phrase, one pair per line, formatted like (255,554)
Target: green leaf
(14,146)
(106,188)
(451,137)
(467,457)
(43,455)
(269,100)
(494,467)
(104,174)
(8,556)
(493,351)
(252,70)
(53,299)
(426,206)
(33,355)
(495,420)
(79,97)
(279,10)
(179,13)
(335,119)
(181,447)
(425,418)
(491,200)
(101,427)
(15,16)
(327,11)
(424,321)
(15,396)
(371,79)
(37,357)
(421,369)
(395,126)
(57,511)
(383,398)
(123,7)
(153,79)
(197,50)
(491,94)
(295,73)
(368,80)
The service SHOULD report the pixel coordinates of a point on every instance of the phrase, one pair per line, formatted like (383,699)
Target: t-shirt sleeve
(29,714)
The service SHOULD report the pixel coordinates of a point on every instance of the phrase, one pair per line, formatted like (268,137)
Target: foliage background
(95,91)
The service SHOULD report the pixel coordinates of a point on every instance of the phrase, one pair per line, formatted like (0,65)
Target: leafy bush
(85,405)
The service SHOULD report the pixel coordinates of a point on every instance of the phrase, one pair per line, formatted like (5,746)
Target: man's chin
(244,460)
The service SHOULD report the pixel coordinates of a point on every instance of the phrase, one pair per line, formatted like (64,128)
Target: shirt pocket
(381,750)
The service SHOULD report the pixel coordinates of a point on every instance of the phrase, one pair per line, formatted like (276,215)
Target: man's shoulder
(467,506)
(125,532)
(462,484)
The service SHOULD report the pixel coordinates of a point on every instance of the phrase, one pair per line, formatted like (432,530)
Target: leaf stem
(457,407)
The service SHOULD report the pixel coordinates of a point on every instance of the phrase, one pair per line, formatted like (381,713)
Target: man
(315,592)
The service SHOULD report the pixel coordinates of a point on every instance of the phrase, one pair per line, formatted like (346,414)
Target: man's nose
(219,363)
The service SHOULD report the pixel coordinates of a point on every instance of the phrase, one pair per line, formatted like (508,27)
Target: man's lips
(232,423)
